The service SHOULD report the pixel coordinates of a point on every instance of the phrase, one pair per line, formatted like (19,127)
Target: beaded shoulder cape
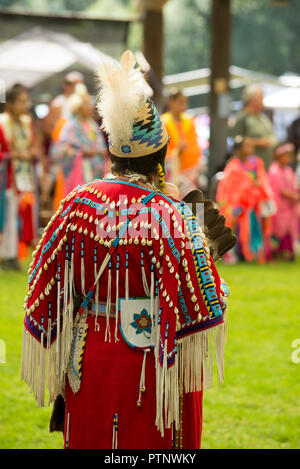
(113,239)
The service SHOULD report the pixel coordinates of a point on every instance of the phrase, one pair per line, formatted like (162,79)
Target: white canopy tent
(285,99)
(196,82)
(285,105)
(281,94)
(35,55)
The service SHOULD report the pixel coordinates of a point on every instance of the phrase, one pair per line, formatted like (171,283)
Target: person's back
(285,222)
(145,265)
(122,289)
(256,127)
(190,155)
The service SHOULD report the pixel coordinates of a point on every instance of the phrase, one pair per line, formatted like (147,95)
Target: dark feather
(57,420)
(220,237)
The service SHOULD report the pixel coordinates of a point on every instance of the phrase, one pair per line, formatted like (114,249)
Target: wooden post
(219,82)
(153,45)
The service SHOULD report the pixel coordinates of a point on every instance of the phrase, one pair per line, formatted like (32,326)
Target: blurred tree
(44,5)
(187,35)
(77,5)
(7,3)
(112,7)
(265,37)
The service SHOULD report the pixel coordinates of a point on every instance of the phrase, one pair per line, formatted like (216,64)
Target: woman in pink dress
(241,194)
(287,196)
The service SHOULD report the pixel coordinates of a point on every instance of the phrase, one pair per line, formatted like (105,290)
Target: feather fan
(120,97)
(220,238)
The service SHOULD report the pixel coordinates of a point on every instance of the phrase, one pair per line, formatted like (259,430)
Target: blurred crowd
(42,160)
(258,191)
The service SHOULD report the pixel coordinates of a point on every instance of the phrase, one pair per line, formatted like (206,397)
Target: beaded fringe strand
(195,355)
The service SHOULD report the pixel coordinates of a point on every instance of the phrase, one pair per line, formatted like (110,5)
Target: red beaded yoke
(111,242)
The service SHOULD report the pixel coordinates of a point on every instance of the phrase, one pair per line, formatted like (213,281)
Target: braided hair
(150,166)
(161,177)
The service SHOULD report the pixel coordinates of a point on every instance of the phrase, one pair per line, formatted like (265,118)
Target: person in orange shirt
(184,152)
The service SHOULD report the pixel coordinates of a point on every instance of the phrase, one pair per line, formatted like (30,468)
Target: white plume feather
(120,97)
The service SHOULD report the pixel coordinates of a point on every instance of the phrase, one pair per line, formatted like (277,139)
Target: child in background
(298,171)
(240,195)
(287,196)
(298,186)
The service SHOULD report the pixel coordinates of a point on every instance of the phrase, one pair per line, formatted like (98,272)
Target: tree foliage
(46,6)
(264,37)
(186,33)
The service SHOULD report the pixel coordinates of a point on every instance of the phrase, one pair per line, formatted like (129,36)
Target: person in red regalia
(125,303)
(18,156)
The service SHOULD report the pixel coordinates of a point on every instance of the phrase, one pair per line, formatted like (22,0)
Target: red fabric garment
(91,425)
(190,299)
(3,151)
(192,419)
(26,217)
(109,388)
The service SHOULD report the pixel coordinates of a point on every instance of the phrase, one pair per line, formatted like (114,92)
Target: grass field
(256,407)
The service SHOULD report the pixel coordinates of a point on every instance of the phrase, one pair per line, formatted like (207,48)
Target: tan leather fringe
(195,360)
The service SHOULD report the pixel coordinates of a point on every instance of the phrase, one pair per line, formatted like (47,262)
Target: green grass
(256,407)
(258,404)
(22,423)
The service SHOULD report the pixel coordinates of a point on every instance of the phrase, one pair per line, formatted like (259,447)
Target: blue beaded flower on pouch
(142,323)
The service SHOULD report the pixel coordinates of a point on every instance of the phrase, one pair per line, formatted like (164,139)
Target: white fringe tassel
(142,386)
(115,432)
(145,283)
(117,305)
(46,367)
(108,306)
(195,354)
(58,328)
(97,325)
(38,368)
(82,272)
(152,307)
(126,291)
(68,431)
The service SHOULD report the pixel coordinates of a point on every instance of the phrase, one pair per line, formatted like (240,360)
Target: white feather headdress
(129,117)
(121,95)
